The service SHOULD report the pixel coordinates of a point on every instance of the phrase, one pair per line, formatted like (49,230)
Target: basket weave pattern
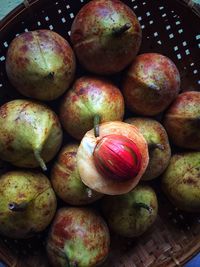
(170,28)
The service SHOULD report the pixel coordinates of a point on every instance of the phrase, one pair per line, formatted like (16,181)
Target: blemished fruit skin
(40,64)
(182,120)
(181,183)
(97,45)
(90,96)
(78,237)
(158,145)
(29,187)
(123,215)
(30,135)
(66,180)
(151,83)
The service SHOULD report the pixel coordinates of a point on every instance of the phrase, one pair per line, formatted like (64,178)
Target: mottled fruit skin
(181,181)
(98,49)
(155,134)
(26,127)
(151,84)
(25,186)
(88,97)
(182,120)
(117,157)
(66,180)
(40,64)
(124,217)
(78,237)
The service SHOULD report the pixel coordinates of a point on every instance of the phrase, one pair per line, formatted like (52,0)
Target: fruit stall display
(100,133)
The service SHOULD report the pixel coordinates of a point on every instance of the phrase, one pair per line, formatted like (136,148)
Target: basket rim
(27,4)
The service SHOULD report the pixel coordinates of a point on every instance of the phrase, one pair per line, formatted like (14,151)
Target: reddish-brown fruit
(86,164)
(151,84)
(117,157)
(78,237)
(106,36)
(40,64)
(90,96)
(182,120)
(66,180)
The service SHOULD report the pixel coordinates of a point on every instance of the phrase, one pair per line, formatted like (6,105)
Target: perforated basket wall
(170,28)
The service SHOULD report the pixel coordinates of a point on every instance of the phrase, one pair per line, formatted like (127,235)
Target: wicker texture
(169,28)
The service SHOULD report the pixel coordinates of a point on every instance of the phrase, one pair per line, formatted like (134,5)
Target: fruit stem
(13,206)
(153,146)
(119,30)
(50,75)
(40,160)
(143,206)
(96,125)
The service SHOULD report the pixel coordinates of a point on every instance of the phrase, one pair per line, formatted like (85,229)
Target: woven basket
(169,27)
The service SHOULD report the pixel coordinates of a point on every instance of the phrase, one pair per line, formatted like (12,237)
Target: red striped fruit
(117,157)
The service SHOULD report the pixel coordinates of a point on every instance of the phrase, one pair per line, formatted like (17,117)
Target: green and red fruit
(78,237)
(88,98)
(66,180)
(106,36)
(151,84)
(40,64)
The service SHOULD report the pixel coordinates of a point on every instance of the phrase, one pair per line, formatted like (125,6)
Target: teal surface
(7,5)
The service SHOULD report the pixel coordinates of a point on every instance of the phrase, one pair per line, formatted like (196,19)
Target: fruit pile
(105,142)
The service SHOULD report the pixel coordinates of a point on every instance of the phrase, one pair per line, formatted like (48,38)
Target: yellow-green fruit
(131,214)
(181,181)
(158,145)
(27,203)
(40,64)
(30,133)
(66,180)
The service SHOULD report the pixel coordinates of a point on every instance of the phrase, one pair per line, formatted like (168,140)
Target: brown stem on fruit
(153,146)
(13,206)
(143,206)
(51,75)
(96,125)
(40,160)
(119,30)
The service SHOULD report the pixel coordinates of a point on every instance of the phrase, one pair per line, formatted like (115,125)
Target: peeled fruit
(66,180)
(78,237)
(181,182)
(151,84)
(30,135)
(40,64)
(90,97)
(158,145)
(131,214)
(182,120)
(106,36)
(128,154)
(27,203)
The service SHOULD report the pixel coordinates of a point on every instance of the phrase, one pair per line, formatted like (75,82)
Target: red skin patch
(98,53)
(151,84)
